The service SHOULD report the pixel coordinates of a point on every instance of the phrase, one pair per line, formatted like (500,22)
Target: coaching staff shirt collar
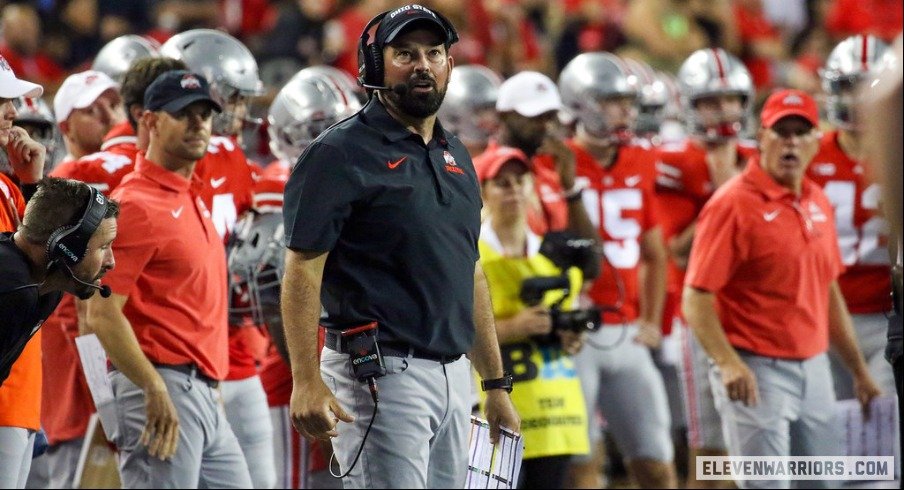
(769,256)
(171,264)
(401,220)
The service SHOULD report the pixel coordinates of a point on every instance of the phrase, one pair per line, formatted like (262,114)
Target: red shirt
(172,266)
(769,257)
(683,185)
(881,18)
(547,210)
(228,177)
(12,209)
(862,232)
(105,169)
(620,202)
(753,25)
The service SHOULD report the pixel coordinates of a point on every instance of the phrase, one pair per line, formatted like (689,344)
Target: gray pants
(249,417)
(794,416)
(208,452)
(630,392)
(420,436)
(870,331)
(56,468)
(704,428)
(16,444)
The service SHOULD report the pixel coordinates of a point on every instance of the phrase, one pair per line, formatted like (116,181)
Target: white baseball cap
(79,91)
(11,87)
(529,93)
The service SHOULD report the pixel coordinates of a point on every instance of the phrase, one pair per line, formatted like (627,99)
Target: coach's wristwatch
(503,383)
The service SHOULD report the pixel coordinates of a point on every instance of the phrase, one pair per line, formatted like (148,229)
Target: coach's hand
(314,409)
(500,412)
(739,381)
(161,431)
(866,389)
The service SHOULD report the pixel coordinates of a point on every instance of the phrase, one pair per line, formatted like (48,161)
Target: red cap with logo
(789,102)
(488,163)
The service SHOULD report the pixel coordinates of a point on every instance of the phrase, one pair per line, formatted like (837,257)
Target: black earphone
(370,55)
(68,245)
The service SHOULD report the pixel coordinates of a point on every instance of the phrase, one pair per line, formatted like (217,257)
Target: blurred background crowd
(782,42)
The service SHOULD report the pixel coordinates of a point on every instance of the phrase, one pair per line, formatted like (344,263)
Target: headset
(68,245)
(370,56)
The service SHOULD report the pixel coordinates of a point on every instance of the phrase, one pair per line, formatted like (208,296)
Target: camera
(580,320)
(565,251)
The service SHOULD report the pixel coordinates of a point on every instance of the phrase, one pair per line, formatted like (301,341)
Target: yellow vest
(547,392)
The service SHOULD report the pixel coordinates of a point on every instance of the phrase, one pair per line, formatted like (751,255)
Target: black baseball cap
(401,18)
(174,90)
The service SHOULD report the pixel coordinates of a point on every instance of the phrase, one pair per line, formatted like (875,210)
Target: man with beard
(383,209)
(164,327)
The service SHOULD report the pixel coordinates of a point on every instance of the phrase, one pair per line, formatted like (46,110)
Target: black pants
(547,472)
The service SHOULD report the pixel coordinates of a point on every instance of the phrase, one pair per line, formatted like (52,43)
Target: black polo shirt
(401,221)
(22,309)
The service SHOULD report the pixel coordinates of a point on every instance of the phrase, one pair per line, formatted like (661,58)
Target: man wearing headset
(372,201)
(63,244)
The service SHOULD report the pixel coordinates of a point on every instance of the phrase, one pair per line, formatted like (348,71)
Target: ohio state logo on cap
(792,99)
(4,64)
(190,82)
(91,79)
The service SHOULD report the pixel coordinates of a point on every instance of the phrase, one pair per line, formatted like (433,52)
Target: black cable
(372,384)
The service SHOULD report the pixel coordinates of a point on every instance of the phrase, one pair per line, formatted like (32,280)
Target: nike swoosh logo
(177,212)
(771,216)
(632,180)
(396,163)
(217,182)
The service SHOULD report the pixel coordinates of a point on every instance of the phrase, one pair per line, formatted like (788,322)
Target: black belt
(190,370)
(333,340)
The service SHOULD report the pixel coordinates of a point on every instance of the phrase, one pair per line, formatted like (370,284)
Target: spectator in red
(881,18)
(762,41)
(21,46)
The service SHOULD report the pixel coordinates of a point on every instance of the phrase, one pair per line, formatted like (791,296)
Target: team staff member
(766,254)
(86,107)
(841,170)
(370,202)
(718,92)
(547,390)
(528,107)
(619,174)
(65,420)
(164,327)
(62,244)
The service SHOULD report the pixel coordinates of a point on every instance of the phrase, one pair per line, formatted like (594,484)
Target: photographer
(534,348)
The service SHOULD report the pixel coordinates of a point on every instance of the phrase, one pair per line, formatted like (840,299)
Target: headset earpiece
(370,55)
(69,244)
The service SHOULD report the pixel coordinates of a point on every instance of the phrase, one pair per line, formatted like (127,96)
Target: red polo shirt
(172,266)
(769,256)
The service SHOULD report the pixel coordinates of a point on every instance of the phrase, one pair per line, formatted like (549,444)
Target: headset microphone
(104,290)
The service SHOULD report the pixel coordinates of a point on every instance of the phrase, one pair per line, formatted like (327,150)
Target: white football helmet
(309,103)
(469,108)
(653,97)
(256,267)
(852,61)
(587,79)
(117,56)
(228,66)
(709,73)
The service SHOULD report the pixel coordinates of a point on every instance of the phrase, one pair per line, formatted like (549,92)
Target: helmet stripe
(719,66)
(864,50)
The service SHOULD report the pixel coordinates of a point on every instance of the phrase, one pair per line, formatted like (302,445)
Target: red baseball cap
(789,102)
(488,163)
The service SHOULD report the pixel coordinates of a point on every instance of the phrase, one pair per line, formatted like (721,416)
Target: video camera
(565,251)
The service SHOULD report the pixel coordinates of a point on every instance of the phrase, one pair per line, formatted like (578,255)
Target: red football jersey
(228,178)
(620,203)
(862,231)
(105,169)
(683,185)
